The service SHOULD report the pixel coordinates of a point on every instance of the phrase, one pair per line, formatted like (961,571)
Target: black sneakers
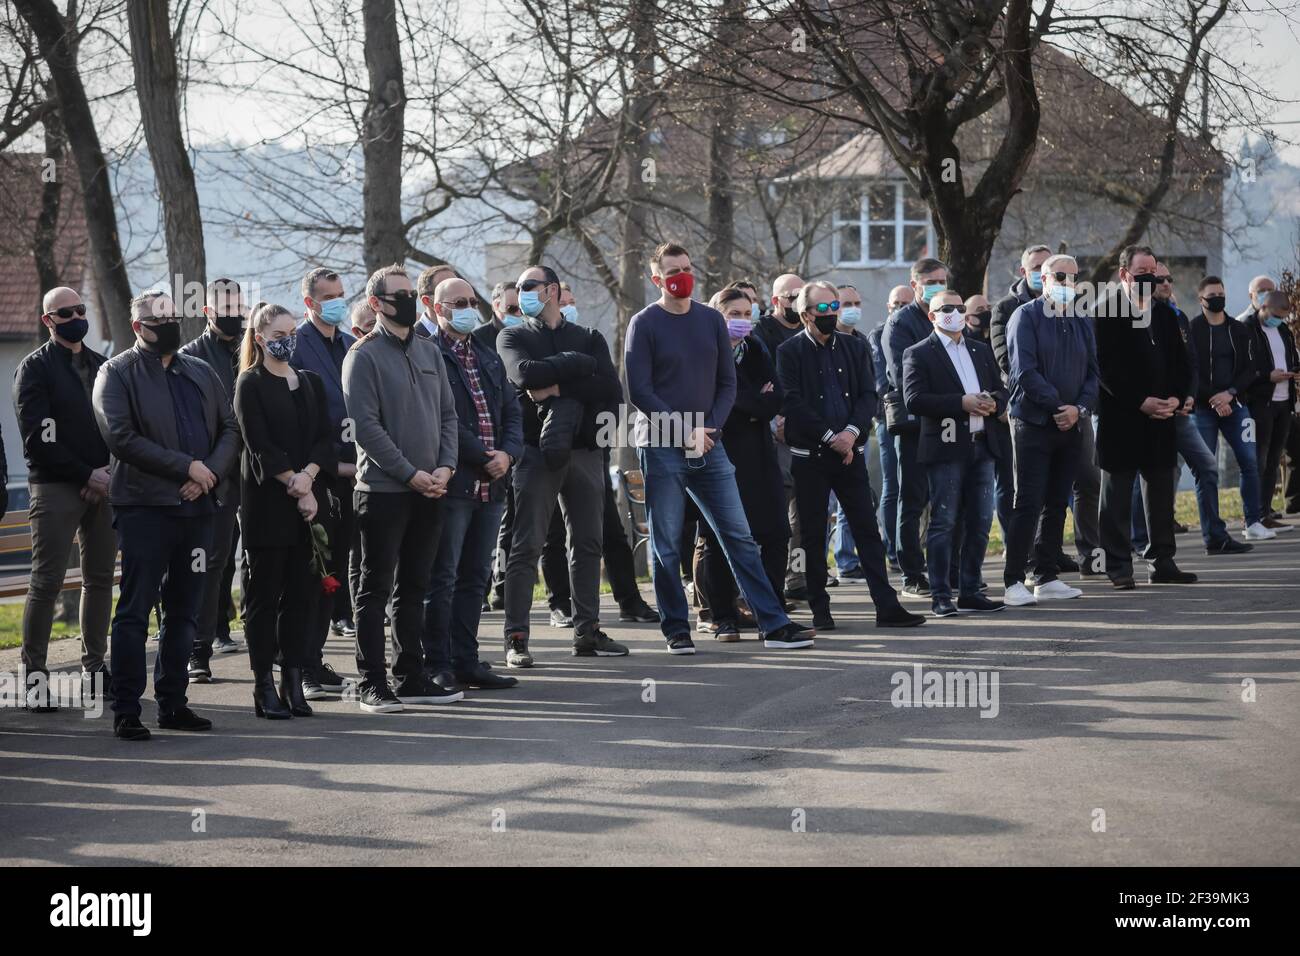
(944,608)
(979,602)
(1229,545)
(1169,573)
(822,621)
(790,635)
(199,671)
(483,678)
(898,616)
(183,719)
(418,689)
(378,699)
(597,644)
(517,650)
(681,644)
(130,728)
(638,612)
(328,678)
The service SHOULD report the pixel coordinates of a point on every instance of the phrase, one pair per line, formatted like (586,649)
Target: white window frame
(864,226)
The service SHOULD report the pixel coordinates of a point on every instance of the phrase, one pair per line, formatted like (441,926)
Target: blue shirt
(1053,363)
(191,432)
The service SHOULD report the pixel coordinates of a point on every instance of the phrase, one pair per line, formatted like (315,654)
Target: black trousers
(620,570)
(1292,491)
(1117,516)
(913,494)
(815,477)
(280,585)
(1272,427)
(504,536)
(715,585)
(399,540)
(213,611)
(1046,462)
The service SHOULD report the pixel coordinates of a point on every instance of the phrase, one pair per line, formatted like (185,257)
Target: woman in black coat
(747,436)
(287,444)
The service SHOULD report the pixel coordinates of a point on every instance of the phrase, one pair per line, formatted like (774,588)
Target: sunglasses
(528,285)
(1064,276)
(68,312)
(1164,280)
(461,303)
(951,307)
(821,308)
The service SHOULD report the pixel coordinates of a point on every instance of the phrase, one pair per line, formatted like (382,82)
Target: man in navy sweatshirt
(681,377)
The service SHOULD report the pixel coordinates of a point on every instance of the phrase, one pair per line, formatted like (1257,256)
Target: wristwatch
(1083,411)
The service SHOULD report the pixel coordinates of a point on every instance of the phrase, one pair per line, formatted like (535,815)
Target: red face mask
(680,285)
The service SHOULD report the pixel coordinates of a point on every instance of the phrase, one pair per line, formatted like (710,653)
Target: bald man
(774,329)
(1259,287)
(67,476)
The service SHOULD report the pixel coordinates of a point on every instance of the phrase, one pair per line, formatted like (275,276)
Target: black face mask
(1145,284)
(168,338)
(73,330)
(791,316)
(825,323)
(229,325)
(1215,303)
(406,309)
(982,318)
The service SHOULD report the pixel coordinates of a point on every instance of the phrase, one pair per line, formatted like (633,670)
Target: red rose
(329,584)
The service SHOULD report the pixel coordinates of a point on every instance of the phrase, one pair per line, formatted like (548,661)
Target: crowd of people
(399,467)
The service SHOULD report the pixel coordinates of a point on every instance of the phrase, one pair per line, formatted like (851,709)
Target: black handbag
(898,420)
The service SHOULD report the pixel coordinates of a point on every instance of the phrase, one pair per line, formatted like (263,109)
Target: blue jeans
(846,552)
(158,550)
(887,515)
(712,486)
(961,493)
(457,583)
(1204,467)
(1233,428)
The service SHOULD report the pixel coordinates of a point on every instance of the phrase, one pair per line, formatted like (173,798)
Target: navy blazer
(800,372)
(932,390)
(503,406)
(312,355)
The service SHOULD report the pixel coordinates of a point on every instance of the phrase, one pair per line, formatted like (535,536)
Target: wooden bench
(15,537)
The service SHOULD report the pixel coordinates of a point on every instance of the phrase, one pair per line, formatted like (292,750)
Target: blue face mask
(1273,321)
(753,312)
(930,290)
(1063,294)
(530,303)
(335,311)
(570,313)
(1035,281)
(850,315)
(509,321)
(464,321)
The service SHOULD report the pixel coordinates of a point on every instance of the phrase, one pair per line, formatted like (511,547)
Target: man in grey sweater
(403,416)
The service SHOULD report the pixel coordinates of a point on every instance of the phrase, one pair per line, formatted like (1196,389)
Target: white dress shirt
(1279,360)
(970,380)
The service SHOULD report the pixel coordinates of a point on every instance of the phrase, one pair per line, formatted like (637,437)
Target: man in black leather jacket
(218,345)
(165,418)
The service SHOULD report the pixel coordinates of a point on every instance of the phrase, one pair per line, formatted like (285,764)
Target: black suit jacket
(799,369)
(932,390)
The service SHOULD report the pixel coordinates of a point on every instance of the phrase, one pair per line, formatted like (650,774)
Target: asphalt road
(1122,709)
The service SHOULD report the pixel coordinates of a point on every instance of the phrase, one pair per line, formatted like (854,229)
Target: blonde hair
(251,354)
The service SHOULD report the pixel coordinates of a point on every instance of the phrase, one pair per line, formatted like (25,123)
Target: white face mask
(950,321)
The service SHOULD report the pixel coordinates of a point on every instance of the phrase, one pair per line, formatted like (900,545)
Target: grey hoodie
(402,409)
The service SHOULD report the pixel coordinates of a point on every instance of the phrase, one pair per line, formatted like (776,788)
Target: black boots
(266,702)
(291,694)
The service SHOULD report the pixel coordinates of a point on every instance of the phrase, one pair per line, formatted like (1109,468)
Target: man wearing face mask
(490,438)
(1256,292)
(1053,383)
(681,376)
(322,346)
(166,418)
(68,479)
(904,328)
(774,329)
(398,395)
(564,379)
(505,313)
(887,512)
(218,345)
(1225,366)
(568,304)
(1145,382)
(953,383)
(846,555)
(978,316)
(1272,397)
(830,400)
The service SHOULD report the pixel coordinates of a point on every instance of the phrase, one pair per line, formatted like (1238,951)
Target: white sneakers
(1018,596)
(1257,532)
(1056,590)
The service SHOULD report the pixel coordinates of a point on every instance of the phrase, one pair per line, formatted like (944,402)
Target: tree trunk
(722,154)
(383,128)
(153,55)
(58,43)
(47,220)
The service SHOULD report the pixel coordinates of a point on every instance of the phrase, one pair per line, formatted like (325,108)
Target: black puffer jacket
(1016,296)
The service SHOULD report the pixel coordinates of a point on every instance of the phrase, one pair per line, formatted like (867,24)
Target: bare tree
(153,56)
